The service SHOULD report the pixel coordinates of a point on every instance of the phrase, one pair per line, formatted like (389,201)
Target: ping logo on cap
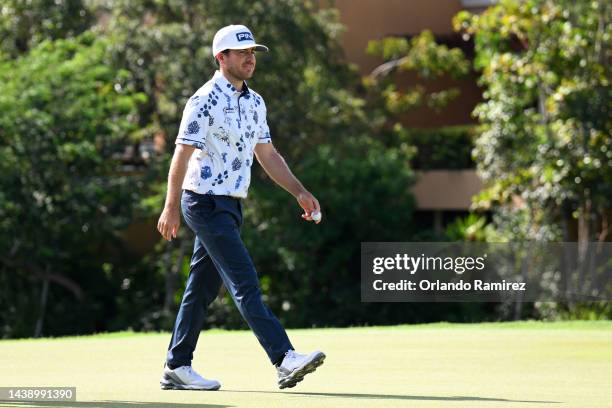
(244,36)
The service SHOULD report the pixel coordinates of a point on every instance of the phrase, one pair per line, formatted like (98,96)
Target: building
(441,194)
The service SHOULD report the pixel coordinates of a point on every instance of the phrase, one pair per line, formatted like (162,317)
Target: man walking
(223,124)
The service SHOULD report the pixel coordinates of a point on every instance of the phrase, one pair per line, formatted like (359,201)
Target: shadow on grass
(105,404)
(397,397)
(138,404)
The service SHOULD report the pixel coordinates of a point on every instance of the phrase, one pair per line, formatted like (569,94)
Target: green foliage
(589,311)
(25,24)
(81,102)
(166,45)
(472,228)
(421,54)
(71,106)
(65,118)
(442,148)
(546,128)
(314,270)
(545,150)
(315,119)
(427,59)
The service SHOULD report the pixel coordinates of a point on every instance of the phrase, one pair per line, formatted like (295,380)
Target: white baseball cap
(235,37)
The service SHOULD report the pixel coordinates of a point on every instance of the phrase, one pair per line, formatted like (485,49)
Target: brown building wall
(446,189)
(457,112)
(366,20)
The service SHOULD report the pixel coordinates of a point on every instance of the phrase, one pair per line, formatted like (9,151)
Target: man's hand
(310,205)
(170,218)
(275,166)
(169,223)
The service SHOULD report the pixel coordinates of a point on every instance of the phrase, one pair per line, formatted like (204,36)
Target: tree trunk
(43,305)
(584,235)
(172,273)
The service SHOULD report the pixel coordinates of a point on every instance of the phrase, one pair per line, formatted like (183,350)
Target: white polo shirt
(224,125)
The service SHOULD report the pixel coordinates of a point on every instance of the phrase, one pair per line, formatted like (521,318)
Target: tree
(441,147)
(546,128)
(166,45)
(66,116)
(545,150)
(420,54)
(24,25)
(312,272)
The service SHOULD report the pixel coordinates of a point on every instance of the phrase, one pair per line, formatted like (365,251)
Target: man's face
(240,63)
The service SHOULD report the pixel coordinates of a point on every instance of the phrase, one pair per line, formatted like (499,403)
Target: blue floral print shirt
(224,125)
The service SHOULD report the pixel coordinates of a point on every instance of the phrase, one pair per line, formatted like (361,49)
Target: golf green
(523,364)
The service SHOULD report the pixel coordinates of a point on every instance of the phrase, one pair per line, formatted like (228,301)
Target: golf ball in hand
(316,216)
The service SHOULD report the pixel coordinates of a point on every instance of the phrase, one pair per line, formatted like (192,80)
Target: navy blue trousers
(219,255)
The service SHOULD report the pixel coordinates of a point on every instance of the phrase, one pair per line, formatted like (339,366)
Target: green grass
(523,364)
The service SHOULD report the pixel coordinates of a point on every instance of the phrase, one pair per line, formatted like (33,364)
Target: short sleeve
(263,133)
(194,125)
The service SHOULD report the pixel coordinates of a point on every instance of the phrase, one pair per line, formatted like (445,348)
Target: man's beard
(238,75)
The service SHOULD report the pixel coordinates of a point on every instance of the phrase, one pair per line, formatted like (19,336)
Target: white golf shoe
(185,378)
(295,366)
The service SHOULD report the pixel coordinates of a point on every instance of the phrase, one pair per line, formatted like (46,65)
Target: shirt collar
(226,85)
